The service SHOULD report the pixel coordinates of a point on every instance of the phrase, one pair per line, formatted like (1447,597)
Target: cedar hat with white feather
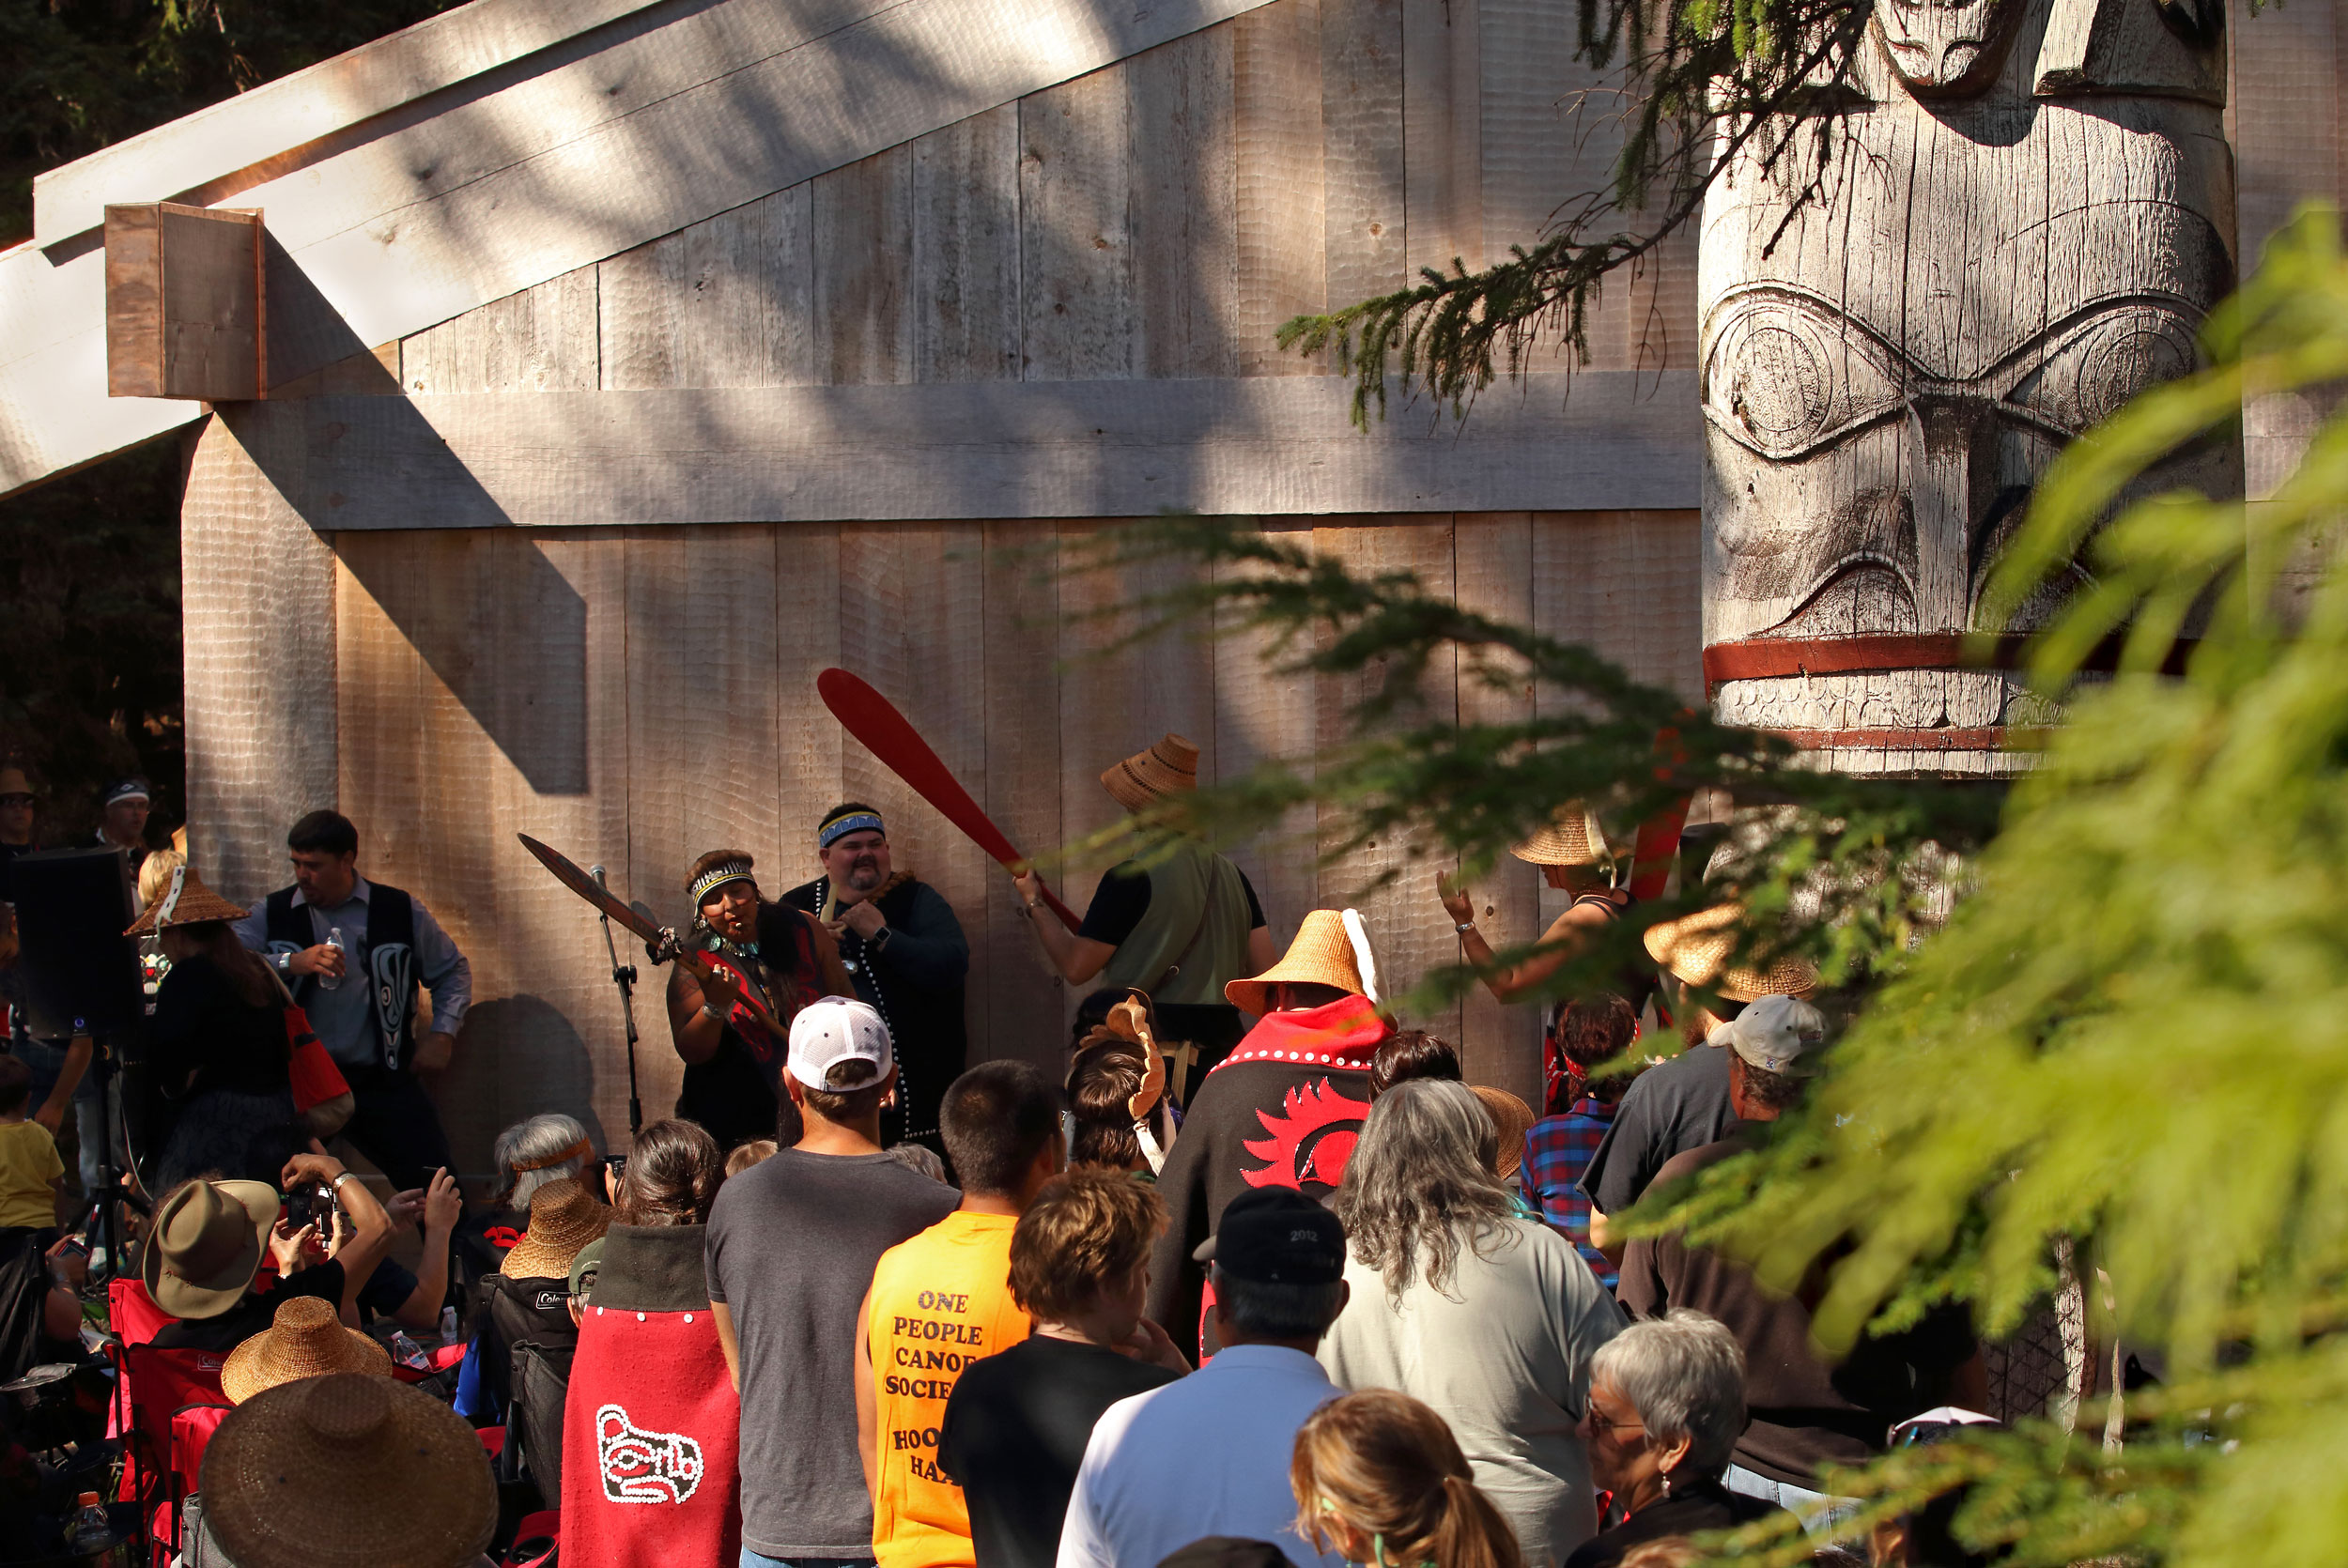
(1332,948)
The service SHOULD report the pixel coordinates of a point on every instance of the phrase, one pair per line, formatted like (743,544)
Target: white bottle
(448,1325)
(334,940)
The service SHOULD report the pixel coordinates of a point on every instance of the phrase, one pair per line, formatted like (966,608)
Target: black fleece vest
(388,967)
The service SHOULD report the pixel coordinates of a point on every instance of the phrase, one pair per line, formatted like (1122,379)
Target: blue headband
(840,827)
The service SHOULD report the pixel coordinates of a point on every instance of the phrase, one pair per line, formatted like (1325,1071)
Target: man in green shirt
(1176,928)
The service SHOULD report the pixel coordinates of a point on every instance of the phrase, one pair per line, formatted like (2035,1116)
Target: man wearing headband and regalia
(903,948)
(733,1067)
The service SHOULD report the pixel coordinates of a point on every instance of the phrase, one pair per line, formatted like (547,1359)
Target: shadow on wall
(516,1057)
(499,592)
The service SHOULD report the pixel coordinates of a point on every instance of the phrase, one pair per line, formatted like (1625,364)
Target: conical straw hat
(308,1340)
(563,1217)
(385,1474)
(1147,778)
(1695,949)
(1513,1117)
(1322,955)
(185,901)
(1573,838)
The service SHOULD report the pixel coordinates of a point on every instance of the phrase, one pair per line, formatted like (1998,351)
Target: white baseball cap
(834,1030)
(1776,1034)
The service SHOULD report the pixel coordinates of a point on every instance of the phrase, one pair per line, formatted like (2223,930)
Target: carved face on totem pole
(2023,228)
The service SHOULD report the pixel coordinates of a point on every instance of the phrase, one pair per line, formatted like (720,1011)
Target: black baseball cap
(1229,1551)
(1276,1235)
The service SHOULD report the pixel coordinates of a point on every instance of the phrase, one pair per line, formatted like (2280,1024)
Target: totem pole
(2020,225)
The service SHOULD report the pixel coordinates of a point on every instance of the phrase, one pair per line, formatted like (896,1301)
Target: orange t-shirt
(939,1302)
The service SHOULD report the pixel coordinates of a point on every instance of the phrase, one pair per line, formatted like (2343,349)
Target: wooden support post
(183,304)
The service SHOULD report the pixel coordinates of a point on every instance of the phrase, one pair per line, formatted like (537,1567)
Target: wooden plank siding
(637,696)
(1123,244)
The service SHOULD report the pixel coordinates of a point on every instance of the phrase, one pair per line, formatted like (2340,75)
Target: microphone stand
(623,975)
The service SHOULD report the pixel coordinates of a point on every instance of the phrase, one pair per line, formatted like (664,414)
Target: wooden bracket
(184,310)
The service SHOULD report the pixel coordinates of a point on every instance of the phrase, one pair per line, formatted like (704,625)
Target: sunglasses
(17,801)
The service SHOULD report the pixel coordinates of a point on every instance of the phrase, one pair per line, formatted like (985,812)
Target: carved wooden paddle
(886,733)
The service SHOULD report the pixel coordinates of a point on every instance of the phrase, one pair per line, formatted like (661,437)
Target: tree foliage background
(2096,1023)
(89,563)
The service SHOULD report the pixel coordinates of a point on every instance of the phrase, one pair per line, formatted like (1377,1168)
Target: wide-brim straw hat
(1322,955)
(347,1469)
(563,1217)
(1513,1117)
(1147,777)
(308,1340)
(205,1246)
(186,902)
(1695,949)
(1573,838)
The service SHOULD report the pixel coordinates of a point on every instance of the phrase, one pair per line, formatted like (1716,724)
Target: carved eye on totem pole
(1886,371)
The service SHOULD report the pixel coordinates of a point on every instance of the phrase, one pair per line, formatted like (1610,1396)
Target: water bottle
(334,940)
(448,1325)
(90,1533)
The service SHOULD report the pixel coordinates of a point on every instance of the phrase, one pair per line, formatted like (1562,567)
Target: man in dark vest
(1179,927)
(905,953)
(354,952)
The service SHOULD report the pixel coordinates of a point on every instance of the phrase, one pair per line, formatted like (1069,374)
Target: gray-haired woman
(529,1154)
(1667,1404)
(1460,1301)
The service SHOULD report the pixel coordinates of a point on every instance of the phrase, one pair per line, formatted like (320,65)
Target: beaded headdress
(839,824)
(718,875)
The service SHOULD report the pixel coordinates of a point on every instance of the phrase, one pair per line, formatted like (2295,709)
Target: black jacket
(913,977)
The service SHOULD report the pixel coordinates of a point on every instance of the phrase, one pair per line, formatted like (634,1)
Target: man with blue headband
(905,952)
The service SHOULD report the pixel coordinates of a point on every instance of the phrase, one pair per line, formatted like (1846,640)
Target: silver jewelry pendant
(851,965)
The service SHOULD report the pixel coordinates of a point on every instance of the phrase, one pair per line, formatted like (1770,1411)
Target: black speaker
(80,972)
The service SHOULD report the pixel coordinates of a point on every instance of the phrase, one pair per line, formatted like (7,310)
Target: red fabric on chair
(132,1313)
(191,1430)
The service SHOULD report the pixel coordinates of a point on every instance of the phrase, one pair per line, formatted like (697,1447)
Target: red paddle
(875,720)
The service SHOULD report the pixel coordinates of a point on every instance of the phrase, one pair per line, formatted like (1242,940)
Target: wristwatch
(1464,926)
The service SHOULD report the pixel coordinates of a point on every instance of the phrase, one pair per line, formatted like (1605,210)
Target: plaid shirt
(1557,1150)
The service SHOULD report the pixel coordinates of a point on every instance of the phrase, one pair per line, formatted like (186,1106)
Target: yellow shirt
(28,1163)
(940,1301)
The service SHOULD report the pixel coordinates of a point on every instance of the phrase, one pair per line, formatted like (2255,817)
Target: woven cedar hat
(1147,778)
(308,1340)
(205,1246)
(348,1471)
(1330,949)
(1513,1117)
(1695,949)
(185,902)
(1573,838)
(563,1217)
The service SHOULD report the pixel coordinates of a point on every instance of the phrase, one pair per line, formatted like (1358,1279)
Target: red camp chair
(156,1386)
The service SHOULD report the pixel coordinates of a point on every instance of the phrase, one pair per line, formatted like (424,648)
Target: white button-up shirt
(1207,1455)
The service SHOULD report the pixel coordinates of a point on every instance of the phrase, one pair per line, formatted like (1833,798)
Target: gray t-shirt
(1502,1354)
(792,1241)
(1668,1110)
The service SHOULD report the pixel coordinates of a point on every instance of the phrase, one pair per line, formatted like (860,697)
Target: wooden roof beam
(200,156)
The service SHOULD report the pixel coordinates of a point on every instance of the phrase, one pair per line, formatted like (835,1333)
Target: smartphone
(309,1203)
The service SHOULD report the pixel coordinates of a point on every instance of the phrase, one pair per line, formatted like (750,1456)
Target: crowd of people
(1251,1276)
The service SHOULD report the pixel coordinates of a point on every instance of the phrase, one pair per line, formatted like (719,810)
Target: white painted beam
(206,151)
(542,173)
(1258,446)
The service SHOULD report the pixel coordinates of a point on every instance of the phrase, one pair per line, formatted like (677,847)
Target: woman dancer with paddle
(732,1063)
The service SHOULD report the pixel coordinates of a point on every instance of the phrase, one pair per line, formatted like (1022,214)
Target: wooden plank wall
(676,667)
(1158,218)
(638,695)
